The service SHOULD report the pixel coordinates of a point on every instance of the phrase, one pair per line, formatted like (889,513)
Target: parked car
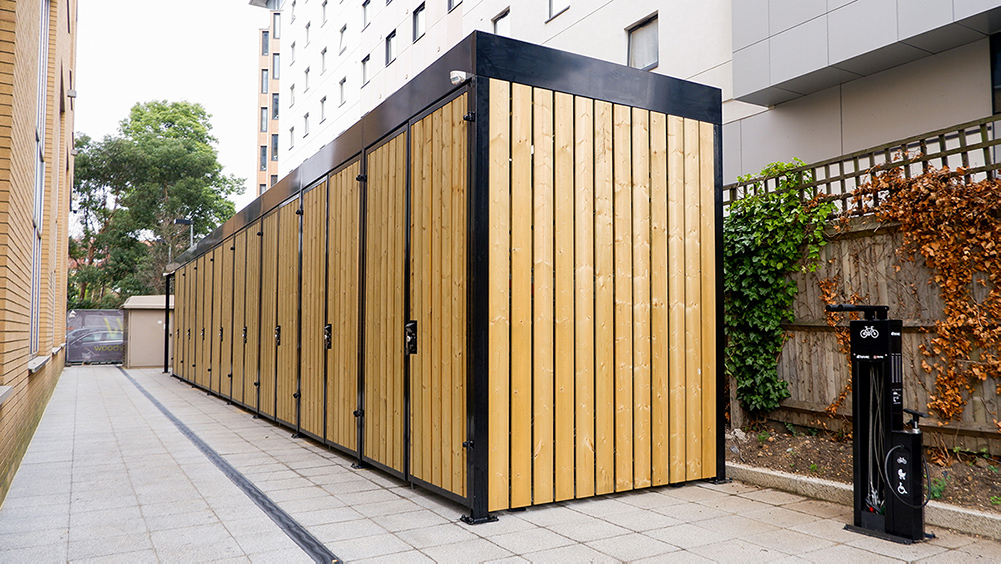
(97,346)
(77,333)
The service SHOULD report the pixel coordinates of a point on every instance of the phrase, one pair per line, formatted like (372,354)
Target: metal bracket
(358,412)
(470,520)
(467,444)
(245,334)
(361,177)
(328,336)
(297,395)
(410,336)
(278,336)
(298,211)
(220,333)
(471,116)
(257,384)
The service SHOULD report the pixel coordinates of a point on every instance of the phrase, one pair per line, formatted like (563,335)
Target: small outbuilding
(501,284)
(144,330)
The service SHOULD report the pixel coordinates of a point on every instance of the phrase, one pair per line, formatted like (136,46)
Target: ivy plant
(767,237)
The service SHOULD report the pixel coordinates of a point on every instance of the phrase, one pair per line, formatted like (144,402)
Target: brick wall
(32,382)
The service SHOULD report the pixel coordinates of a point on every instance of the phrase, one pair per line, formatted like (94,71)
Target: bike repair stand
(887,456)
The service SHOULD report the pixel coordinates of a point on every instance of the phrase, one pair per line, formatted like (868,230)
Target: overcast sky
(131,51)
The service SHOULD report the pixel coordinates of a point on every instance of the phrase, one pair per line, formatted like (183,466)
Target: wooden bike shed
(546,231)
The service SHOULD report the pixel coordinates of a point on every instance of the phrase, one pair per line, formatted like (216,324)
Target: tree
(128,190)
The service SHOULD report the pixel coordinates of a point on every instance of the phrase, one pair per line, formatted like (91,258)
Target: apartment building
(38,47)
(812,79)
(268,95)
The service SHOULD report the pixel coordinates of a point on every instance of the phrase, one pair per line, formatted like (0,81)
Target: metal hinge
(361,177)
(358,412)
(471,116)
(467,444)
(296,395)
(410,336)
(245,334)
(298,211)
(278,335)
(220,333)
(328,336)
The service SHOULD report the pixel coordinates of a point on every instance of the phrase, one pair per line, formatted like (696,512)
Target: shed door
(383,393)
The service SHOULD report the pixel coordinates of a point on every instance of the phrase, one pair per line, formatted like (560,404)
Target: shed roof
(146,302)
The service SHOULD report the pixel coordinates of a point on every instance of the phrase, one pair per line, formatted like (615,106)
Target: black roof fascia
(489,56)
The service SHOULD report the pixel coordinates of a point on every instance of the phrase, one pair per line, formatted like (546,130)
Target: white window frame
(390,47)
(629,50)
(420,22)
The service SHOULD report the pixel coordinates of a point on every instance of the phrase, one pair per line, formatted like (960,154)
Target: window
(264,120)
(391,47)
(502,23)
(274,106)
(305,124)
(274,178)
(307,32)
(291,95)
(364,70)
(323,12)
(305,76)
(364,14)
(643,45)
(291,49)
(292,12)
(341,88)
(343,40)
(323,61)
(265,43)
(274,147)
(557,7)
(264,157)
(453,3)
(39,204)
(275,66)
(291,137)
(419,22)
(264,81)
(323,109)
(278,26)
(261,188)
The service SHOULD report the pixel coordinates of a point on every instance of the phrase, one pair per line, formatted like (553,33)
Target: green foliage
(766,238)
(763,436)
(792,429)
(936,487)
(996,500)
(128,190)
(814,468)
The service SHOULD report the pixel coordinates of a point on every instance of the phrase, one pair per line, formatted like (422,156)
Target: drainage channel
(294,530)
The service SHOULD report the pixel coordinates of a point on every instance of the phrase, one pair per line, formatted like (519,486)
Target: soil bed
(965,479)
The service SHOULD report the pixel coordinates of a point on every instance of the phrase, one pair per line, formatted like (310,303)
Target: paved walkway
(109,477)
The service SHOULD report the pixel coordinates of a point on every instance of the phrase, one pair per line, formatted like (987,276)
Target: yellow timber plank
(641,297)
(676,295)
(444,189)
(499,301)
(604,302)
(217,376)
(228,250)
(584,294)
(564,242)
(521,295)
(458,336)
(659,345)
(544,301)
(707,190)
(622,178)
(416,302)
(240,310)
(400,227)
(434,330)
(424,323)
(693,298)
(251,359)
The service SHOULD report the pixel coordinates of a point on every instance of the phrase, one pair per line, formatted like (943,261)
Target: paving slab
(137,466)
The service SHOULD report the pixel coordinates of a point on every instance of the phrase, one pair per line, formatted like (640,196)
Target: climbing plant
(955,225)
(767,237)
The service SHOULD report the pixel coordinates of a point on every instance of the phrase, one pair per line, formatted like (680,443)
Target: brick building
(37,58)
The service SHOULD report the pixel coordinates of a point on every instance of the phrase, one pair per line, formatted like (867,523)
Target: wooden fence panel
(314,297)
(288,314)
(342,305)
(181,313)
(226,342)
(219,296)
(240,311)
(203,376)
(602,353)
(384,259)
(269,313)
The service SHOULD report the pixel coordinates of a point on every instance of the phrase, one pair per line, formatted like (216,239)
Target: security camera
(458,77)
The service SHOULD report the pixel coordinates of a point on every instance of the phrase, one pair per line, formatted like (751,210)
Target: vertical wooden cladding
(384,286)
(240,310)
(438,296)
(314,243)
(181,313)
(287,366)
(203,344)
(269,314)
(221,295)
(601,317)
(257,338)
(343,252)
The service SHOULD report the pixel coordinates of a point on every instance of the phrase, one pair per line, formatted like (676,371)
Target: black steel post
(477,305)
(359,413)
(722,398)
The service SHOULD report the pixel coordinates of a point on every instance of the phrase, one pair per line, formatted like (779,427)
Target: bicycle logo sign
(869,332)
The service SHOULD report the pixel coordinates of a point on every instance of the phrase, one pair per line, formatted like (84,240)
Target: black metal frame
(481,56)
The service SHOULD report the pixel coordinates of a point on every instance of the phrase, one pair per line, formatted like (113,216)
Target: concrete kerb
(938,514)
